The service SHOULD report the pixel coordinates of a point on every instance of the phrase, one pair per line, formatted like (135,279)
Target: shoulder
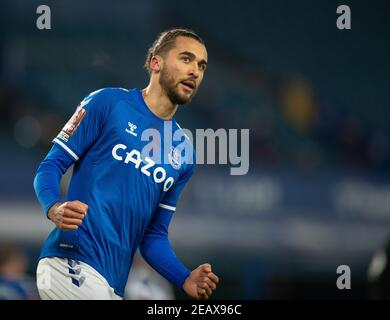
(103,101)
(107,94)
(186,149)
(184,135)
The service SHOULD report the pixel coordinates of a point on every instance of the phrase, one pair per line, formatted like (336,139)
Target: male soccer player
(119,199)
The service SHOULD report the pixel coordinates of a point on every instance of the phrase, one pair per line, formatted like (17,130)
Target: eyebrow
(192,56)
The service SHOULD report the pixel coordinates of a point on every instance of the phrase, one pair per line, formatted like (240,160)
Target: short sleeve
(172,196)
(86,124)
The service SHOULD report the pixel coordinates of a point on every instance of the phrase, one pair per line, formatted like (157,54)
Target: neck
(158,102)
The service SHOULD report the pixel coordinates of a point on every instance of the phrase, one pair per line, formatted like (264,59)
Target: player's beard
(170,86)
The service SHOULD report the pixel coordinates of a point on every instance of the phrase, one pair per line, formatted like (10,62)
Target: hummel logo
(131,129)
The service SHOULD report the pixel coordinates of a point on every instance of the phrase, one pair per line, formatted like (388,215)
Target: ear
(156,64)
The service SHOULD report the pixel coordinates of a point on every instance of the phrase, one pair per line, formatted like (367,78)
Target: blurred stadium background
(314,98)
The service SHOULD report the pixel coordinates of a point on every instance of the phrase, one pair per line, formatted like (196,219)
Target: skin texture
(166,89)
(175,78)
(68,215)
(201,283)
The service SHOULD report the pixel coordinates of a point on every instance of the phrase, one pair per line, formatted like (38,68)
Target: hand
(68,215)
(201,282)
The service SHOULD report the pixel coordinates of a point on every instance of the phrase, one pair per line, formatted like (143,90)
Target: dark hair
(165,42)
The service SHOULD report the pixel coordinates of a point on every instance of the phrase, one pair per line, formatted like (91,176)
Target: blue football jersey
(114,139)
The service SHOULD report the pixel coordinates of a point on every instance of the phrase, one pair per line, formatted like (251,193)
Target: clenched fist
(68,215)
(201,282)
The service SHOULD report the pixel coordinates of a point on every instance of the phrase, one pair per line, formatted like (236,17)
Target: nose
(194,72)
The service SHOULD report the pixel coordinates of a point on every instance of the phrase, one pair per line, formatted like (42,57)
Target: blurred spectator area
(315,98)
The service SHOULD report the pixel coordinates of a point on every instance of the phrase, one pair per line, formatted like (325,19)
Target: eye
(186,59)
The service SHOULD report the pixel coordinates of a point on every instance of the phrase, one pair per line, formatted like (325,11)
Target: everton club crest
(174,158)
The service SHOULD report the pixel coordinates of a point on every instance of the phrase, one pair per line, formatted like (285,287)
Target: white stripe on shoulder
(183,130)
(164,206)
(74,155)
